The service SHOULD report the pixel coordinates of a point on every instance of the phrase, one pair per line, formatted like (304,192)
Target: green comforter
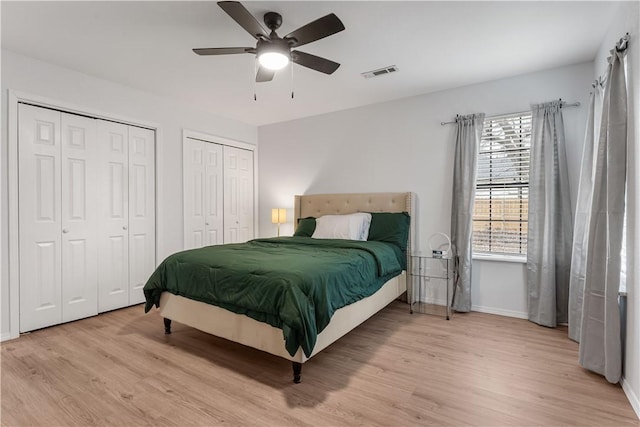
(292,283)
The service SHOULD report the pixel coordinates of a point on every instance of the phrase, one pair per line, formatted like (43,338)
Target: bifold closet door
(40,217)
(57,228)
(113,259)
(202,186)
(127,213)
(238,195)
(142,223)
(79,218)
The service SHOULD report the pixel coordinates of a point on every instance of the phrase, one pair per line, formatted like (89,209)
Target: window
(502,186)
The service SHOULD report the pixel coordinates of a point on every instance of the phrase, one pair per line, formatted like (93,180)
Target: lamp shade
(278,216)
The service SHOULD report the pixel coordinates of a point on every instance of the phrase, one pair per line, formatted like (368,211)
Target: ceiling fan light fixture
(273,60)
(273,52)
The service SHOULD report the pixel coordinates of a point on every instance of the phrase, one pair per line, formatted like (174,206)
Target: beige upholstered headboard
(316,205)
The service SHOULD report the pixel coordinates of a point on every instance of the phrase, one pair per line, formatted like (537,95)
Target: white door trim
(187,133)
(13,98)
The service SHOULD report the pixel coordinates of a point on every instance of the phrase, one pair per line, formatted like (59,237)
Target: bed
(264,334)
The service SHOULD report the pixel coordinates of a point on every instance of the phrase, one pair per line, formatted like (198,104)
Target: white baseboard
(500,311)
(631,396)
(5,337)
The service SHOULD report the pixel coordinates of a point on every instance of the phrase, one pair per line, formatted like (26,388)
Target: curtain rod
(562,103)
(621,46)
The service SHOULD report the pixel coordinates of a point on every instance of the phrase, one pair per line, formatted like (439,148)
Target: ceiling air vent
(379,72)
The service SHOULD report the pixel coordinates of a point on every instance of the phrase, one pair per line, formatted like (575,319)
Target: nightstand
(431,281)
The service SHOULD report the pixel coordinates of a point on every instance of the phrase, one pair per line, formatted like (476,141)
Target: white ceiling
(436,45)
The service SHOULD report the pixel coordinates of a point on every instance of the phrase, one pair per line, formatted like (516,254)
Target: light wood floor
(396,369)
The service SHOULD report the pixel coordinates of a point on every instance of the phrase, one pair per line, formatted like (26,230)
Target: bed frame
(245,330)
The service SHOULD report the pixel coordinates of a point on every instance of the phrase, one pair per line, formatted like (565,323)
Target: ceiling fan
(274,52)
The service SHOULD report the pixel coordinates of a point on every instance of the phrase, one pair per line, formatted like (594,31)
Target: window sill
(502,258)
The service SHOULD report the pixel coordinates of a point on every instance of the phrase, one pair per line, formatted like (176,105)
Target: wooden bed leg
(297,368)
(167,326)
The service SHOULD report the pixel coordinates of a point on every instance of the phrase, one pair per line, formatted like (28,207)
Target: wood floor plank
(119,369)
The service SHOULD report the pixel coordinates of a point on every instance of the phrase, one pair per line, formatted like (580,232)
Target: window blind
(502,185)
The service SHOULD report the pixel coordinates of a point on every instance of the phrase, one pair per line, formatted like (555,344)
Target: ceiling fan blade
(224,50)
(264,75)
(243,17)
(314,62)
(316,30)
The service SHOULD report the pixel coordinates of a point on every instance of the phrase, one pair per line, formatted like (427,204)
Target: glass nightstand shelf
(431,284)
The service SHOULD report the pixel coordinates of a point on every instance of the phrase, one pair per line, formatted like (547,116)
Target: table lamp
(278,216)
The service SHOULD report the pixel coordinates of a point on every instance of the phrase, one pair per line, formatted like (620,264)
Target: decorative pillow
(351,227)
(366,225)
(390,227)
(306,227)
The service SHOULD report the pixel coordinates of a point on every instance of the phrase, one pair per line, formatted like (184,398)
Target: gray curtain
(600,343)
(468,133)
(583,209)
(550,231)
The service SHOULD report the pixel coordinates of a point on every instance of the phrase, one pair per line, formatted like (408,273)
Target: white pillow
(366,224)
(352,226)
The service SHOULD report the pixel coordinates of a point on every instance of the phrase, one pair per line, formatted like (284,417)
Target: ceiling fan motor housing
(272,20)
(274,45)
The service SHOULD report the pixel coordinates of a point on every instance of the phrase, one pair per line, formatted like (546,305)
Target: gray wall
(401,146)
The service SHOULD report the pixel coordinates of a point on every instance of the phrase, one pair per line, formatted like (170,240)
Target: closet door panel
(231,216)
(238,195)
(113,233)
(39,186)
(193,189)
(245,194)
(142,223)
(213,189)
(79,218)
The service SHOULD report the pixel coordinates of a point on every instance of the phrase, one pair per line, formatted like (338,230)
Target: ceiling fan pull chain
(255,70)
(291,66)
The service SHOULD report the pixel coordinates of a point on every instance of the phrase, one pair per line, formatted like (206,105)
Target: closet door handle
(65,230)
(124,227)
(206,223)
